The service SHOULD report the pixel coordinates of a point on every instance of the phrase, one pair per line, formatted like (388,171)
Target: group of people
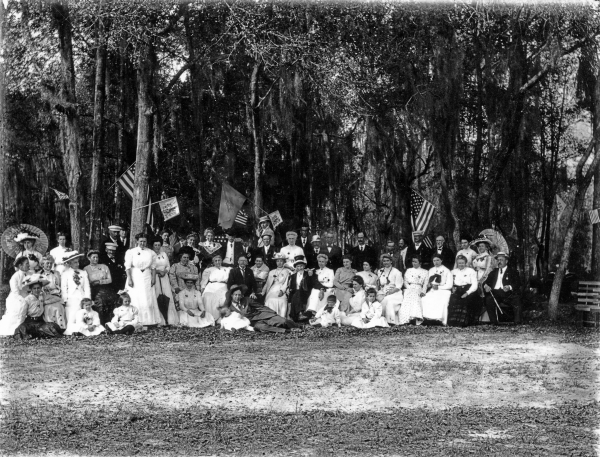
(256,286)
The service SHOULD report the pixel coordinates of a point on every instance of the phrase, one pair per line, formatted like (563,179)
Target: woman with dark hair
(140,265)
(15,302)
(166,246)
(101,285)
(232,317)
(33,324)
(349,313)
(367,274)
(27,243)
(162,285)
(464,305)
(435,301)
(214,286)
(342,281)
(59,252)
(54,311)
(415,282)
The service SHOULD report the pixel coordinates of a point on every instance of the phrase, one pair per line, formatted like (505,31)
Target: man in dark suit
(117,270)
(362,252)
(419,250)
(112,238)
(502,287)
(314,252)
(299,289)
(231,250)
(397,260)
(247,251)
(333,252)
(445,252)
(267,250)
(304,240)
(243,275)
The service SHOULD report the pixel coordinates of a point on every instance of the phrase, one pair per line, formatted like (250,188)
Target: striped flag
(427,242)
(126,182)
(421,212)
(242,217)
(594,218)
(60,195)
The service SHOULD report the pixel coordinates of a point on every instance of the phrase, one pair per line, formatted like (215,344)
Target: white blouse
(140,258)
(465,277)
(446,281)
(391,277)
(325,277)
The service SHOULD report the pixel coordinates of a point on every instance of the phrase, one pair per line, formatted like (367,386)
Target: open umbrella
(12,248)
(499,243)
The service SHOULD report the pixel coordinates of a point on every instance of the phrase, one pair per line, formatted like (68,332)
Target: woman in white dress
(322,286)
(27,243)
(231,315)
(277,286)
(435,302)
(464,306)
(214,286)
(87,321)
(162,284)
(54,310)
(191,309)
(368,276)
(482,262)
(415,282)
(59,252)
(371,314)
(390,295)
(74,285)
(140,265)
(16,308)
(352,311)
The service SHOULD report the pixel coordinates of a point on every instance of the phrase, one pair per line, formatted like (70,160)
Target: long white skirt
(316,305)
(196,321)
(214,296)
(74,304)
(435,305)
(16,311)
(411,308)
(348,319)
(143,297)
(377,322)
(162,286)
(235,321)
(72,328)
(391,305)
(275,302)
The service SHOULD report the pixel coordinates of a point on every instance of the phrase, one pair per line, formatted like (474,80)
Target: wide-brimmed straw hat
(24,236)
(481,240)
(189,277)
(279,256)
(34,279)
(505,254)
(315,239)
(71,256)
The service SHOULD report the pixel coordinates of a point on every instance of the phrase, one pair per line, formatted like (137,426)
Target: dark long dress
(463,311)
(262,318)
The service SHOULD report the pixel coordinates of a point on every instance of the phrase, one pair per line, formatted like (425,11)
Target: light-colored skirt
(235,321)
(377,322)
(214,296)
(143,297)
(275,302)
(435,305)
(196,321)
(391,305)
(16,311)
(316,305)
(162,286)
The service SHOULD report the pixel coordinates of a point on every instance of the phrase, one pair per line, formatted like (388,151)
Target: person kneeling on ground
(34,325)
(370,315)
(87,321)
(329,315)
(125,320)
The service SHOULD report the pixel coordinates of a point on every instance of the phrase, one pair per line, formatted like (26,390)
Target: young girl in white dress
(125,320)
(371,313)
(87,321)
(329,315)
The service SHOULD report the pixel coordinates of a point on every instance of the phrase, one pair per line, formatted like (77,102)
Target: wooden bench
(588,303)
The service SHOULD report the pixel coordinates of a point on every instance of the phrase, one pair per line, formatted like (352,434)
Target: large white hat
(72,255)
(35,278)
(24,236)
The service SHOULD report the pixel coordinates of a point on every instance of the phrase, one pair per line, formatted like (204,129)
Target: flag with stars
(421,211)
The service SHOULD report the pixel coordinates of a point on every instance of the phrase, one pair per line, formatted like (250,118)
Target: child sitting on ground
(329,315)
(370,315)
(125,320)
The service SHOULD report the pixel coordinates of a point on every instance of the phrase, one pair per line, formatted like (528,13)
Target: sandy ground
(360,373)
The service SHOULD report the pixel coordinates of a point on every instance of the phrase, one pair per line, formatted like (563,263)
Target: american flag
(594,218)
(126,182)
(242,217)
(421,212)
(427,242)
(61,195)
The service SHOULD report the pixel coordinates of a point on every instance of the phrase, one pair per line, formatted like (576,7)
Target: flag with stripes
(126,182)
(594,218)
(60,195)
(427,242)
(421,212)
(241,217)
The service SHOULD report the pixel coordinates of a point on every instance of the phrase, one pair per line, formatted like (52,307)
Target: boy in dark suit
(502,287)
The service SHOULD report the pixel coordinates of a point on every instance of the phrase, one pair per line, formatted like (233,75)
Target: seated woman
(329,315)
(214,286)
(87,321)
(125,320)
(34,325)
(276,287)
(342,282)
(435,301)
(390,290)
(231,315)
(322,286)
(191,308)
(261,273)
(416,286)
(371,313)
(465,305)
(16,309)
(354,308)
(101,287)
(54,311)
(368,276)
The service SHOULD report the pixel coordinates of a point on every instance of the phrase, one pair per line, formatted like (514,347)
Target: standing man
(403,248)
(333,251)
(419,249)
(362,252)
(243,275)
(247,250)
(113,237)
(267,251)
(465,251)
(314,252)
(291,251)
(231,252)
(447,254)
(502,287)
(304,240)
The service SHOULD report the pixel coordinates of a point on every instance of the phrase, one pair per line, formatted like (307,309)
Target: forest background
(327,112)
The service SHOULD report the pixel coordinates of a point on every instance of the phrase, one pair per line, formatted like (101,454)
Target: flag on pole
(231,203)
(560,205)
(427,242)
(169,208)
(276,218)
(61,195)
(594,218)
(421,211)
(126,181)
(242,217)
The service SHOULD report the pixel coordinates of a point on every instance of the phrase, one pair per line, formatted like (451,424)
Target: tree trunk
(72,134)
(254,112)
(596,227)
(579,190)
(120,128)
(146,72)
(3,152)
(95,225)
